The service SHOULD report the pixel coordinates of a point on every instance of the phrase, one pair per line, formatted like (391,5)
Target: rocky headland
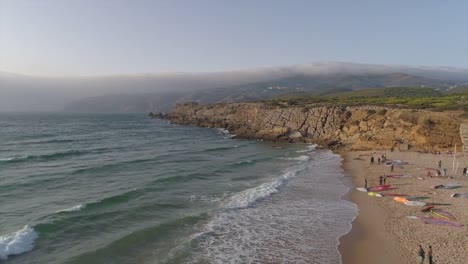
(336,127)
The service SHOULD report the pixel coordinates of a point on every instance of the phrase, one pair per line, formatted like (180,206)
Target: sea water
(122,188)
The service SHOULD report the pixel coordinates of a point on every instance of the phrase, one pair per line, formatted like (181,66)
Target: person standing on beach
(372,160)
(421,255)
(384,179)
(365,183)
(429,254)
(391,168)
(440,164)
(380,179)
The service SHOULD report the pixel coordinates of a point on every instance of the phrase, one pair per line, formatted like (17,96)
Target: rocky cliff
(353,128)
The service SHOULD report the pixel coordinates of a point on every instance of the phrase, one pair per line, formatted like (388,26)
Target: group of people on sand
(422,255)
(438,171)
(382,180)
(379,159)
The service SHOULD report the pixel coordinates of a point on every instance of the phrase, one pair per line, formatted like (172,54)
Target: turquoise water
(127,189)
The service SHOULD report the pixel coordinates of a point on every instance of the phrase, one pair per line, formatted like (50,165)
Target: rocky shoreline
(334,127)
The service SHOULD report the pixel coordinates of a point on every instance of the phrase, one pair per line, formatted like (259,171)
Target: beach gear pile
(431,214)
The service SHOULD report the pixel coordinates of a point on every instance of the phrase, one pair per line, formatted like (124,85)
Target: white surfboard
(361,189)
(415,203)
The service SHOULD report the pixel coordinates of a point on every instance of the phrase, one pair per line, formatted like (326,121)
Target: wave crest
(300,158)
(247,197)
(17,242)
(72,209)
(308,149)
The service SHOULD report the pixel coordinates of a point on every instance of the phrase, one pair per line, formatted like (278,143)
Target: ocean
(123,188)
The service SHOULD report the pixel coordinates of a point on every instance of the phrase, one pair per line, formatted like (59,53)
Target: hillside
(297,84)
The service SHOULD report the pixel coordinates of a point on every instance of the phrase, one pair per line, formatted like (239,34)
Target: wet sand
(382,233)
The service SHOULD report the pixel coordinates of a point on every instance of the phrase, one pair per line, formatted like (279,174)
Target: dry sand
(382,233)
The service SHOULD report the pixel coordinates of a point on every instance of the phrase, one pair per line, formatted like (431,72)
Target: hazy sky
(102,37)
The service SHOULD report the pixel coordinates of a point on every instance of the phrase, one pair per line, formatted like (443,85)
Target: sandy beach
(382,232)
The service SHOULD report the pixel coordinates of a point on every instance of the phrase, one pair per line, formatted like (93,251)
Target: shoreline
(364,243)
(381,232)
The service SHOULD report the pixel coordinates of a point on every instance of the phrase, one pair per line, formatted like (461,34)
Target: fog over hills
(157,92)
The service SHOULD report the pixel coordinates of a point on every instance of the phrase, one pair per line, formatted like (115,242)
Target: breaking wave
(248,197)
(17,242)
(308,149)
(300,158)
(72,209)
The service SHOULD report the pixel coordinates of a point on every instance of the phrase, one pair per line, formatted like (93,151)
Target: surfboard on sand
(442,214)
(415,203)
(435,221)
(379,188)
(455,195)
(447,186)
(393,194)
(400,199)
(373,194)
(427,208)
(361,189)
(416,198)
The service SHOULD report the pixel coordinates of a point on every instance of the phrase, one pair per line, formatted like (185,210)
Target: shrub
(382,112)
(347,115)
(412,119)
(354,123)
(428,123)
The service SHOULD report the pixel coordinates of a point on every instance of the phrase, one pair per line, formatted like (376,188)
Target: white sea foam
(308,149)
(223,131)
(17,242)
(244,161)
(286,227)
(247,197)
(13,158)
(300,158)
(72,209)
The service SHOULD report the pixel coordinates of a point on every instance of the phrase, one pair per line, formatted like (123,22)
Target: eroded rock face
(354,128)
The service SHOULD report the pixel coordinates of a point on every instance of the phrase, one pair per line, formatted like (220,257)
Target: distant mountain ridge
(152,91)
(253,91)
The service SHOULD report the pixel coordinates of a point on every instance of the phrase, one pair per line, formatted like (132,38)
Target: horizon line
(239,70)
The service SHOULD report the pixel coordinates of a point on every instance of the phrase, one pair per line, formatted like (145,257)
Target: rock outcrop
(353,128)
(158,115)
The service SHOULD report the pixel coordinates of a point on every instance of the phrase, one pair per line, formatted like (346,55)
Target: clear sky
(102,37)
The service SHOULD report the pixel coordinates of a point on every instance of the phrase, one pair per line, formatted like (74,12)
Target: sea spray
(17,242)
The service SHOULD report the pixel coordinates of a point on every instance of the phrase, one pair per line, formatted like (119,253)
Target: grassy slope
(408,97)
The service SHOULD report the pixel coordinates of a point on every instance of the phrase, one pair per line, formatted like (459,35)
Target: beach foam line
(223,131)
(17,242)
(308,149)
(300,158)
(248,197)
(71,209)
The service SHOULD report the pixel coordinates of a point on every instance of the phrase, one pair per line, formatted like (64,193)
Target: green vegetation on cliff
(404,97)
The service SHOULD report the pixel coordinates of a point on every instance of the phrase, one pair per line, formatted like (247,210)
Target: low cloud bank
(28,93)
